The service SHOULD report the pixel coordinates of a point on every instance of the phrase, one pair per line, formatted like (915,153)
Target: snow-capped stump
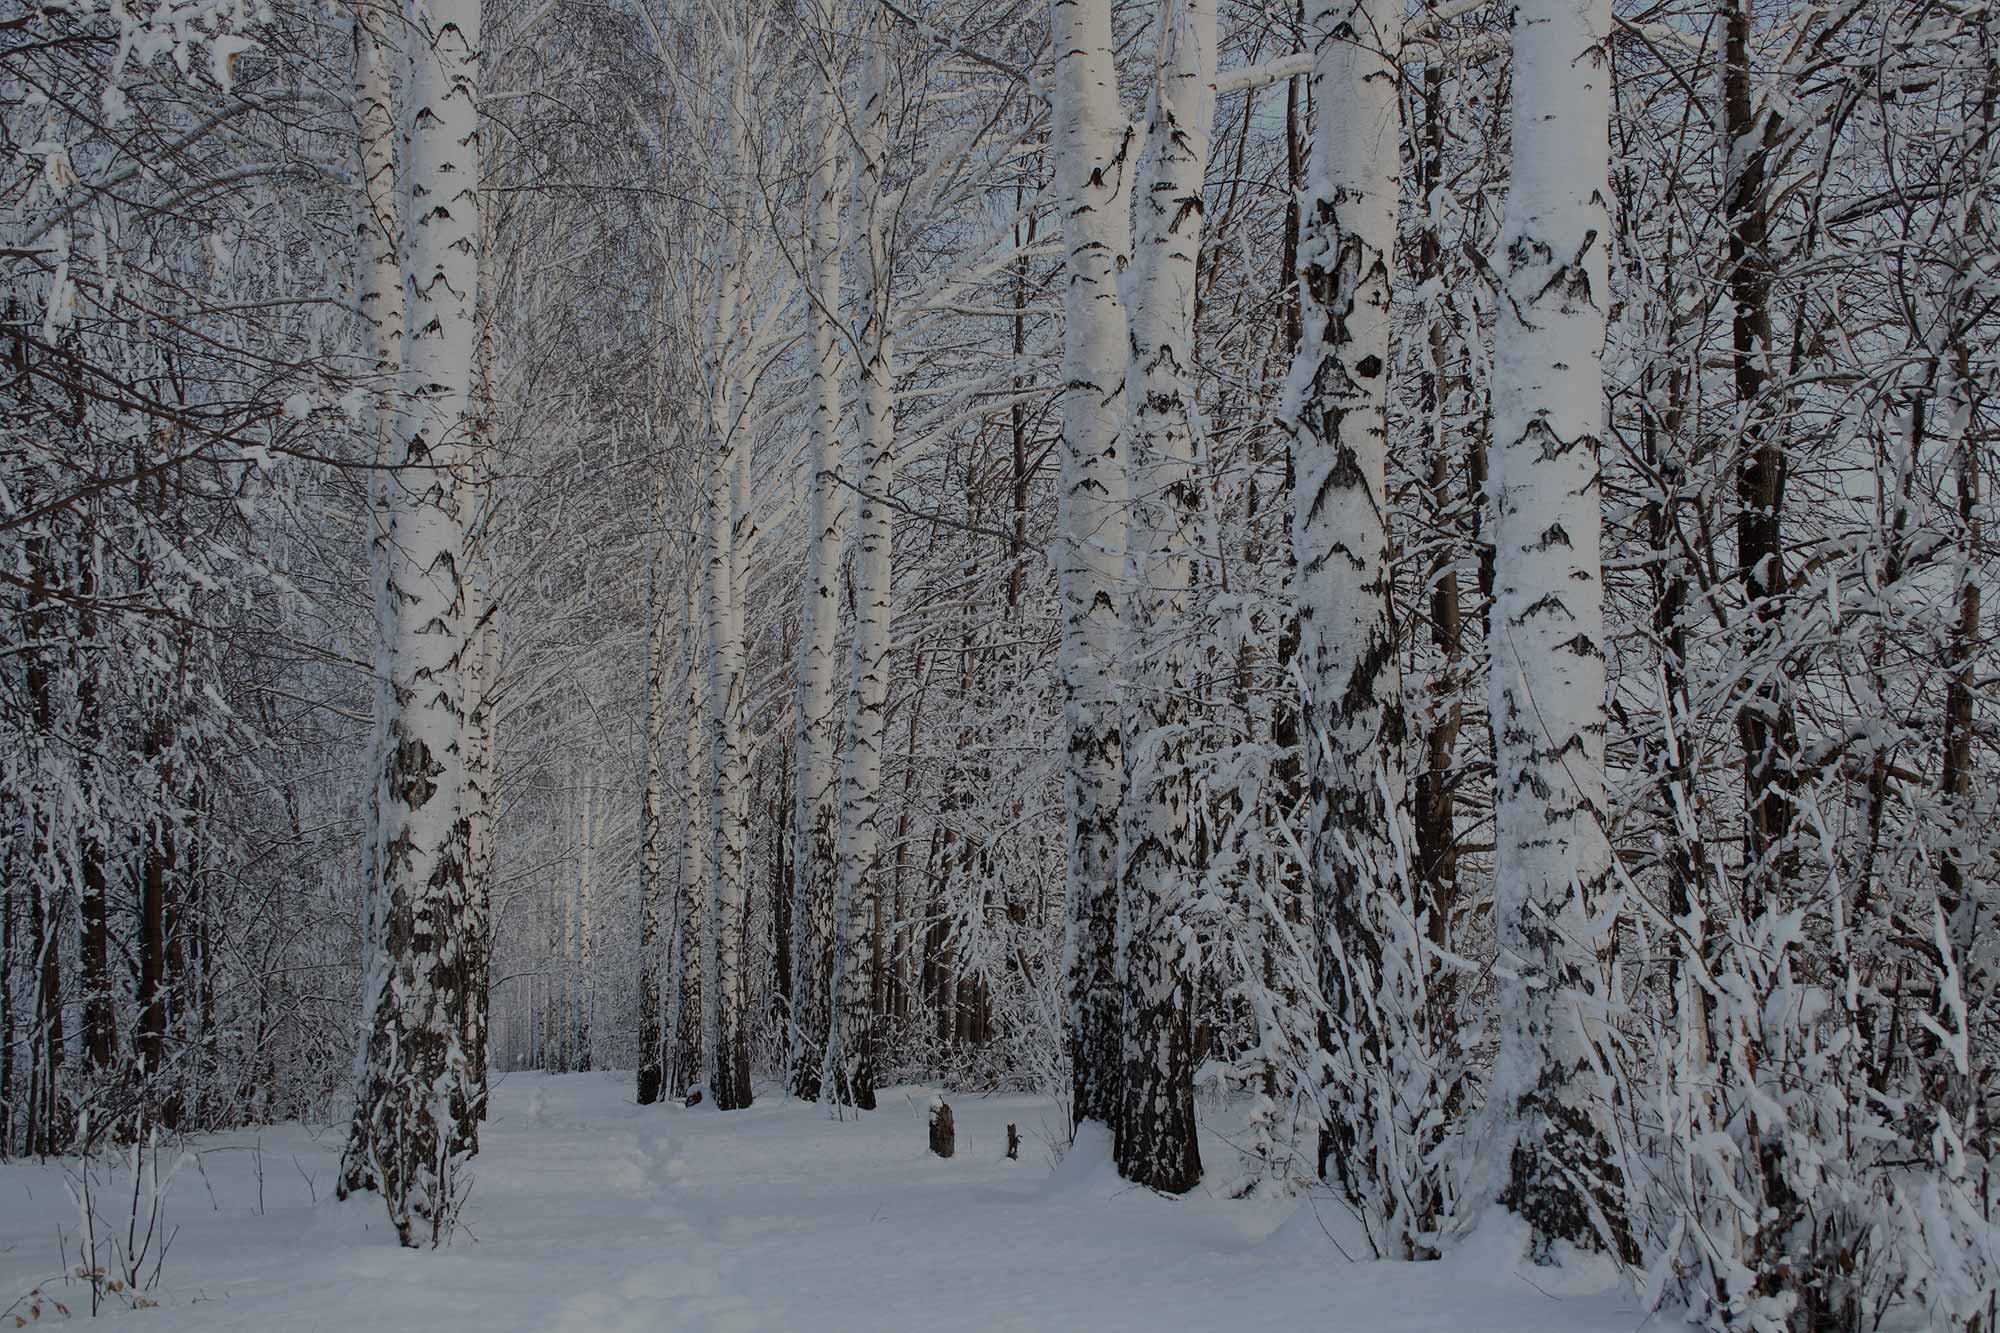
(944,1136)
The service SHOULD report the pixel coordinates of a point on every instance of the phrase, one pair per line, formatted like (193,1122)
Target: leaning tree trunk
(1155,1141)
(850,1070)
(404,1128)
(1092,144)
(816,810)
(1546,692)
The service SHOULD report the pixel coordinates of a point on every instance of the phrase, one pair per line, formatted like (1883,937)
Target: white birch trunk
(654,932)
(1546,692)
(816,795)
(1377,1144)
(416,1062)
(692,964)
(725,1038)
(1093,178)
(850,1070)
(376,235)
(1155,1135)
(482,670)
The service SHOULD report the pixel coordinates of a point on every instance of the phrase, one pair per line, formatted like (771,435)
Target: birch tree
(1546,692)
(692,958)
(852,1067)
(815,825)
(376,231)
(1092,143)
(655,931)
(1381,1137)
(405,1127)
(1155,1143)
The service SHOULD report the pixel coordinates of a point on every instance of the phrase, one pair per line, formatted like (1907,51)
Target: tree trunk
(1092,173)
(851,1067)
(1547,684)
(685,1071)
(816,809)
(652,813)
(1338,404)
(1155,1143)
(415,1065)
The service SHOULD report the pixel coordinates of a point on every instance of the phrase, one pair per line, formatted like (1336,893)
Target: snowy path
(592,1214)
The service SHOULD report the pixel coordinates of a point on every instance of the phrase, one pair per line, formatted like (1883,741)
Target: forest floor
(590,1213)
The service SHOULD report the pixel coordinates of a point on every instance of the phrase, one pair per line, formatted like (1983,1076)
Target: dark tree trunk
(1765,723)
(100,1016)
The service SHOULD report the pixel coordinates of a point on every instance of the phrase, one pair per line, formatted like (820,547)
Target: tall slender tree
(851,1059)
(1381,1136)
(1093,143)
(411,1127)
(1155,1142)
(815,822)
(1546,693)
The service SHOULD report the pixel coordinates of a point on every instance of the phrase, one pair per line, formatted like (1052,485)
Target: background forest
(1412,570)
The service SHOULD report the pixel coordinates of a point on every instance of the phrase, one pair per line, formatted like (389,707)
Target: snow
(593,1214)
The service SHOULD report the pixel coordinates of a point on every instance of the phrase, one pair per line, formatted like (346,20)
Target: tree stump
(1013,1142)
(944,1137)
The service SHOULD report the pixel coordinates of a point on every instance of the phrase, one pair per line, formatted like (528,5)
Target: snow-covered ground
(589,1213)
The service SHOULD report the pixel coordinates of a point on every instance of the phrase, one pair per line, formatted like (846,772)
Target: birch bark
(850,1070)
(377,229)
(416,1062)
(1092,142)
(1372,969)
(1546,691)
(654,939)
(816,812)
(691,958)
(1154,1142)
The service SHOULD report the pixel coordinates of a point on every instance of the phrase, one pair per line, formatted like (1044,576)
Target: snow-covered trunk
(816,794)
(1092,143)
(653,933)
(691,960)
(1546,692)
(850,1070)
(1154,1137)
(376,236)
(1766,724)
(1377,1142)
(415,1071)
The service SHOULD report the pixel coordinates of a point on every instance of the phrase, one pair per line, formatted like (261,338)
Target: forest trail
(592,1214)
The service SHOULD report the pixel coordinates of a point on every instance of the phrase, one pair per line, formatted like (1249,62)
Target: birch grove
(1384,605)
